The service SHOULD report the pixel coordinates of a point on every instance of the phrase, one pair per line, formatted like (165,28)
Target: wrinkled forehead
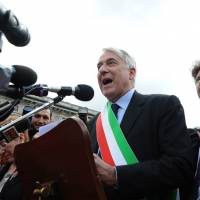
(109,55)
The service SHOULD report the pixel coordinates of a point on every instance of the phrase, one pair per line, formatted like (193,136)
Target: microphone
(4,107)
(81,92)
(15,32)
(36,90)
(23,76)
(15,92)
(18,75)
(13,132)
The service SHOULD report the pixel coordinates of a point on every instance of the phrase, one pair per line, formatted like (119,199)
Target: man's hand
(37,135)
(106,172)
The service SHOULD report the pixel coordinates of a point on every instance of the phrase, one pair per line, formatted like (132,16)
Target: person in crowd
(194,135)
(2,158)
(2,123)
(195,71)
(141,145)
(10,184)
(197,129)
(39,119)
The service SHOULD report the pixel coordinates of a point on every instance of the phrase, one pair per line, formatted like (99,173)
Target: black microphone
(81,92)
(23,76)
(4,107)
(12,132)
(37,90)
(15,32)
(18,75)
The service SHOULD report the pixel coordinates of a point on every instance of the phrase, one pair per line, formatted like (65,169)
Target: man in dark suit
(194,135)
(145,151)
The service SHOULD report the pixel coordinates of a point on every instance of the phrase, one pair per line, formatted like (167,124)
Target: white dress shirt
(123,102)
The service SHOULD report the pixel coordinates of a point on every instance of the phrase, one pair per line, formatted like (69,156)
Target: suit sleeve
(174,167)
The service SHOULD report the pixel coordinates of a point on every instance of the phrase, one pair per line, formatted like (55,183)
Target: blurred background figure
(83,114)
(10,184)
(39,119)
(3,123)
(197,129)
(3,143)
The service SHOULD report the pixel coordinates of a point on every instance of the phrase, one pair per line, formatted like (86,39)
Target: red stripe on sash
(103,145)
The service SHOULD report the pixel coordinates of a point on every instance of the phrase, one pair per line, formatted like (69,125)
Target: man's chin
(37,128)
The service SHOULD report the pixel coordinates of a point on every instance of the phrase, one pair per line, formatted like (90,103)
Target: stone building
(61,110)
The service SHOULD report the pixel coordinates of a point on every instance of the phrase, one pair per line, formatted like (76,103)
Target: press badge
(11,134)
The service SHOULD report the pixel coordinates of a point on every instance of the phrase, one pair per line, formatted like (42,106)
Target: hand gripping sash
(114,147)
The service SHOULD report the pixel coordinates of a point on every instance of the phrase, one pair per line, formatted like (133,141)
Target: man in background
(39,119)
(194,135)
(195,71)
(140,142)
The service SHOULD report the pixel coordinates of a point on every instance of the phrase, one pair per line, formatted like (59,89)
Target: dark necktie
(115,108)
(195,187)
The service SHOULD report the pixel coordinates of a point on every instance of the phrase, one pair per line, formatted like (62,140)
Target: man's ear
(132,73)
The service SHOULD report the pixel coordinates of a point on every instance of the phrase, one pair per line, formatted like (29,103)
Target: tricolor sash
(113,145)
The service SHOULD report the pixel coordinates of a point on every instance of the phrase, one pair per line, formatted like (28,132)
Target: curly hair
(195,69)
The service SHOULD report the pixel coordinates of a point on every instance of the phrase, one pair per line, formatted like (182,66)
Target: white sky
(67,37)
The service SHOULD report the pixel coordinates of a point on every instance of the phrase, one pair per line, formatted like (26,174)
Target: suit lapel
(133,111)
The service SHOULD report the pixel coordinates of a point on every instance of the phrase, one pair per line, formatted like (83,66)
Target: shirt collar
(124,101)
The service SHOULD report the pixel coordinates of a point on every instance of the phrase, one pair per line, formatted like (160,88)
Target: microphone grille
(23,125)
(85,93)
(23,76)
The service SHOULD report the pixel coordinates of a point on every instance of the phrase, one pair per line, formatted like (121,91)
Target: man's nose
(41,120)
(103,69)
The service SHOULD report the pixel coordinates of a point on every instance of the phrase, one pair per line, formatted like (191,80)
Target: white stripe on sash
(112,144)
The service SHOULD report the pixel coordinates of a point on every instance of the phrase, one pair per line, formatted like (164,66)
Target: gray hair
(129,60)
(195,69)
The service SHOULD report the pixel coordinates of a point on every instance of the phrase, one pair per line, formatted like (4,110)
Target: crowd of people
(141,145)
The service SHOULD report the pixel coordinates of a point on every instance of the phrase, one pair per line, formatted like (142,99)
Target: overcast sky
(67,37)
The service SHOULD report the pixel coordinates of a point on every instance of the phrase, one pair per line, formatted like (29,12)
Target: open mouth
(107,81)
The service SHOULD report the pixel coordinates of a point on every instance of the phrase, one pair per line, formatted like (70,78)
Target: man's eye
(98,66)
(111,62)
(197,79)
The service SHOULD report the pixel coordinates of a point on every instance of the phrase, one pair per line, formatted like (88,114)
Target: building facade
(61,110)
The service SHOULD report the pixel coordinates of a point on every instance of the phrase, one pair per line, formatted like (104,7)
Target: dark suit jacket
(154,126)
(12,190)
(195,144)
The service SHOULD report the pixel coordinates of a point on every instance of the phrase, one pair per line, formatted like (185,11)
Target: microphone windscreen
(23,125)
(23,76)
(85,93)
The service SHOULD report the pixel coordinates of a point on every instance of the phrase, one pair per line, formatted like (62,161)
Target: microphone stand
(29,114)
(14,103)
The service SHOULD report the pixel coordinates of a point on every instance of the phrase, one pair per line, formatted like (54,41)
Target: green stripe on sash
(124,147)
